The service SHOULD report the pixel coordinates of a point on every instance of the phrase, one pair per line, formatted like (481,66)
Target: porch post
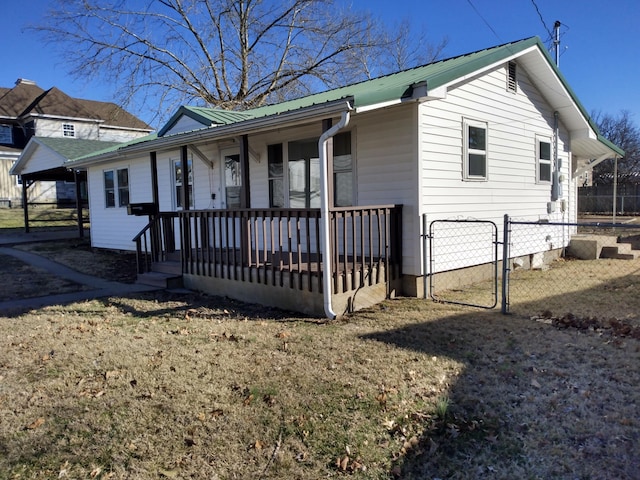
(25,206)
(186,221)
(245,196)
(77,180)
(245,199)
(154,179)
(184,162)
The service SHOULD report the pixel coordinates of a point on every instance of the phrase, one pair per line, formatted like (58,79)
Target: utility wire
(542,19)
(485,20)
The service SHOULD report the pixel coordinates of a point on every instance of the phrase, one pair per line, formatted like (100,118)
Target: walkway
(98,287)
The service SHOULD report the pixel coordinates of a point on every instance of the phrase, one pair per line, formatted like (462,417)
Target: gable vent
(512,86)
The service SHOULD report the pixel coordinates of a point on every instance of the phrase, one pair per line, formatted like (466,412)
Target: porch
(272,256)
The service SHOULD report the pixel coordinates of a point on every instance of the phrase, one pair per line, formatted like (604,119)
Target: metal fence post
(505,265)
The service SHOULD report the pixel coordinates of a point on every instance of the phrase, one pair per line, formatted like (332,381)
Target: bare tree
(233,54)
(623,132)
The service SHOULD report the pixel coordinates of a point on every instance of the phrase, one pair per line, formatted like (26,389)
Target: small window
(276,175)
(512,84)
(116,187)
(179,182)
(6,134)
(543,155)
(475,150)
(68,130)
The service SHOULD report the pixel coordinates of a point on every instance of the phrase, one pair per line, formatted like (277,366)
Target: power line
(485,21)
(542,19)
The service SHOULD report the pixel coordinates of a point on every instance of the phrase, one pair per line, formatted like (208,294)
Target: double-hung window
(543,160)
(475,150)
(300,187)
(116,187)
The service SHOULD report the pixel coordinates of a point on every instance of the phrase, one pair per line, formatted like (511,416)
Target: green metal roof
(114,147)
(398,85)
(72,148)
(206,116)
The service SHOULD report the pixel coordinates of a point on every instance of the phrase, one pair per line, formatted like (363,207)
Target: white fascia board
(62,117)
(375,106)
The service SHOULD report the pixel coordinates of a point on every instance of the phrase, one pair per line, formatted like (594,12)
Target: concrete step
(591,247)
(160,280)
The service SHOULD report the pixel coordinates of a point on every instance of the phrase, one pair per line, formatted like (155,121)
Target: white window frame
(118,197)
(176,198)
(6,132)
(543,161)
(68,130)
(467,150)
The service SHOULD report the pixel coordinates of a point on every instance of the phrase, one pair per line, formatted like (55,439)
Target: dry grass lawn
(192,386)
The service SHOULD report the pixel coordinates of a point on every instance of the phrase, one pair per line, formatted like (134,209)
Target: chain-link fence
(572,270)
(542,269)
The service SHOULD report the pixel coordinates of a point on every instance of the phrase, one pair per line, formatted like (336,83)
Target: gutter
(325,241)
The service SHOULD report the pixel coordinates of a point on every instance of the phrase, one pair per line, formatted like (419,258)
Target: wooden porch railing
(280,246)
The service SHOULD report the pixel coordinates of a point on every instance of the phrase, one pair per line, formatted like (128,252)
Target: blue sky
(600,42)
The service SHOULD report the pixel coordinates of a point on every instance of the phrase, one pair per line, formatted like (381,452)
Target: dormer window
(5,134)
(68,130)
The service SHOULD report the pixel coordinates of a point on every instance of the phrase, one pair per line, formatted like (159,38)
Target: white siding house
(479,136)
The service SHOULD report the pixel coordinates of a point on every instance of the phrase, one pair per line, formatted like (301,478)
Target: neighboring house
(253,199)
(28,111)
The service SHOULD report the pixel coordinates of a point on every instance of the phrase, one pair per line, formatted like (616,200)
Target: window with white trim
(543,160)
(68,130)
(6,134)
(300,188)
(178,179)
(475,150)
(116,187)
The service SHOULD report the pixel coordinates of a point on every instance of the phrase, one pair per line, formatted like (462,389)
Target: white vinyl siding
(113,227)
(514,121)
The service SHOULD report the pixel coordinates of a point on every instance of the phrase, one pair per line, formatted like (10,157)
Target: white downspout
(325,241)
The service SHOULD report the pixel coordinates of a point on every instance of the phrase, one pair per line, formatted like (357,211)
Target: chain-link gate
(461,262)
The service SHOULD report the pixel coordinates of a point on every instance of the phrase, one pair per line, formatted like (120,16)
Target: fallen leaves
(36,424)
